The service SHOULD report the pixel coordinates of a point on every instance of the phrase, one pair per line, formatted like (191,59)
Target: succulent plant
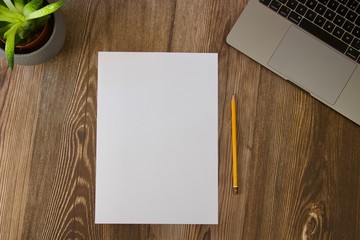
(21,18)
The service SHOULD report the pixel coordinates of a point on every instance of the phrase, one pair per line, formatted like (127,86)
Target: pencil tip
(235,190)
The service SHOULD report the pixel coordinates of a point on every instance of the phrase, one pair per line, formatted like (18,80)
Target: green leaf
(4,29)
(39,22)
(4,18)
(25,29)
(13,29)
(46,10)
(19,5)
(9,51)
(32,6)
(10,44)
(14,16)
(10,5)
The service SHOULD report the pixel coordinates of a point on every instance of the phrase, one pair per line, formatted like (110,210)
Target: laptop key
(265,2)
(310,15)
(356,44)
(275,5)
(343,1)
(339,20)
(348,26)
(292,4)
(284,11)
(320,21)
(329,14)
(301,9)
(352,53)
(352,4)
(325,2)
(333,5)
(338,32)
(356,32)
(323,35)
(294,17)
(351,16)
(311,4)
(342,10)
(320,9)
(329,26)
(347,38)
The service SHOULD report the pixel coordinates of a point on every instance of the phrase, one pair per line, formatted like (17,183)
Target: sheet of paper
(157,138)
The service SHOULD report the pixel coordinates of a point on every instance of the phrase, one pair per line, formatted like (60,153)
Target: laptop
(312,43)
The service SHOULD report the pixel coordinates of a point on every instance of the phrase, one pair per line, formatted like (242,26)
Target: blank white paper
(157,138)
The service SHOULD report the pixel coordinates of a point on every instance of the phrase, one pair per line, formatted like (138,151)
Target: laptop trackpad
(312,65)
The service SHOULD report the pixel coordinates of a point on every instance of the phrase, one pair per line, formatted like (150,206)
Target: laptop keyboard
(336,22)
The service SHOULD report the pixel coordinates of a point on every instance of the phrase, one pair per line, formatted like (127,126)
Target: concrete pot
(49,49)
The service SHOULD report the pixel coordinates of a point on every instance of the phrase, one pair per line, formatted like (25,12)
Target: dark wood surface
(299,161)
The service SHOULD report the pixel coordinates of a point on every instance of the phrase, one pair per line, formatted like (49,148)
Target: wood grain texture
(299,161)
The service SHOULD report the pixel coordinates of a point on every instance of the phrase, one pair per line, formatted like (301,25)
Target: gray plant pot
(50,48)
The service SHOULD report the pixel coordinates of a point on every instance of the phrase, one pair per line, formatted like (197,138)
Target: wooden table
(299,166)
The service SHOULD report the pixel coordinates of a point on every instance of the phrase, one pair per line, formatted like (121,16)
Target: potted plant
(26,29)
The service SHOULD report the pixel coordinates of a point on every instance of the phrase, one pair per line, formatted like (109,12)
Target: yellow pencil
(234,146)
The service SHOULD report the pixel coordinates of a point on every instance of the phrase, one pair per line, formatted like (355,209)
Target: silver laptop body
(284,43)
